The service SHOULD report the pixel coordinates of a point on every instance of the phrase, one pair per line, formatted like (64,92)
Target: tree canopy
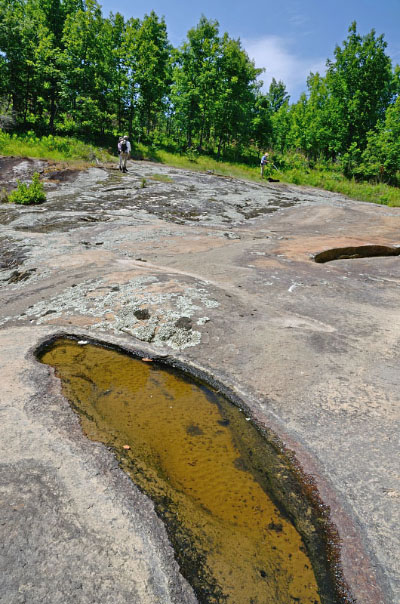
(65,68)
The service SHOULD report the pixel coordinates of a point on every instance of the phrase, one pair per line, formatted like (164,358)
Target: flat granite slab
(219,274)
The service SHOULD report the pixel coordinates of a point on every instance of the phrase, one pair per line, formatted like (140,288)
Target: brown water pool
(205,466)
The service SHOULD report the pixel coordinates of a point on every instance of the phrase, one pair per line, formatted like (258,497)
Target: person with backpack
(264,162)
(124,149)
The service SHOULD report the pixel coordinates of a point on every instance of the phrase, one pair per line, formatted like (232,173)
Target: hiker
(124,149)
(264,162)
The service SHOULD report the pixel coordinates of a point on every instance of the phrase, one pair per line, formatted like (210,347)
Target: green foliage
(28,194)
(195,75)
(152,68)
(192,154)
(50,147)
(277,95)
(351,160)
(236,95)
(214,88)
(360,82)
(381,158)
(66,69)
(261,125)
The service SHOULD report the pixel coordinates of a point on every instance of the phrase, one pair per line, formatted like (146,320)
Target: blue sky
(289,38)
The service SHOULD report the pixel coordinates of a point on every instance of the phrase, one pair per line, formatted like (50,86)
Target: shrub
(28,194)
(192,155)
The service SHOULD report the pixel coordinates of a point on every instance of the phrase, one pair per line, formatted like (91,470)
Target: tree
(360,82)
(152,68)
(296,137)
(129,84)
(118,66)
(17,44)
(237,88)
(31,46)
(88,70)
(277,95)
(261,126)
(381,158)
(322,120)
(281,122)
(194,91)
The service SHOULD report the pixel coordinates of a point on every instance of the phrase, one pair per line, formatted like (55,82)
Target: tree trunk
(53,110)
(130,120)
(202,132)
(219,147)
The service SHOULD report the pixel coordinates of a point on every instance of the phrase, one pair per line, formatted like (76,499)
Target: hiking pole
(277,169)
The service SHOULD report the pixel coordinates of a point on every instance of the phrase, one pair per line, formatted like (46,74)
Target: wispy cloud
(297,16)
(299,20)
(274,53)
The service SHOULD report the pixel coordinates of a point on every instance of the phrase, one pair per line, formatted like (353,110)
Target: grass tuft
(159,177)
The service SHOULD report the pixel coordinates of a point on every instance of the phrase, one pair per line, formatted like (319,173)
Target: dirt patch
(13,169)
(63,175)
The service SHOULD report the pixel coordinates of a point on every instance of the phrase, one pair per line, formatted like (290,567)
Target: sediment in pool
(236,513)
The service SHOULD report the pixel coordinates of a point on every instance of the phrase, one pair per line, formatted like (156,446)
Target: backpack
(124,147)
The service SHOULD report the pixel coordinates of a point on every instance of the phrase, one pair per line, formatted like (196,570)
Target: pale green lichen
(115,307)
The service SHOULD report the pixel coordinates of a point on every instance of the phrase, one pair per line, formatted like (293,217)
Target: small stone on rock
(184,323)
(142,314)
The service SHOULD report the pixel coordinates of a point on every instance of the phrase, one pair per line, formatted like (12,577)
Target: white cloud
(280,62)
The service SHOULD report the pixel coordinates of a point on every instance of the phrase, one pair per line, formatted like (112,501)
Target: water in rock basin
(189,451)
